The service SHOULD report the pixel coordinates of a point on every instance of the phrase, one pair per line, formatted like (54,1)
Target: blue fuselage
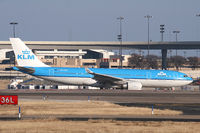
(120,73)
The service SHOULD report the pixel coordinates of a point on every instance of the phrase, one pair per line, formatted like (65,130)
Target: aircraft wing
(24,69)
(105,78)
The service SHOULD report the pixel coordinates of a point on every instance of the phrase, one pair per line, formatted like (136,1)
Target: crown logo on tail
(25,52)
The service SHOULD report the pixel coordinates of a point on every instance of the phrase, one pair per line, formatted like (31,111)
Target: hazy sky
(95,20)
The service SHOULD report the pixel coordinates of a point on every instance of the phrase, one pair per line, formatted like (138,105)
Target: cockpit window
(185,76)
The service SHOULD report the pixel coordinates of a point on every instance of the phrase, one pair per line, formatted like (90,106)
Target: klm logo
(25,56)
(161,74)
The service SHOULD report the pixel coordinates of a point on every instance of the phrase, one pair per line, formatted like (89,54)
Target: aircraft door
(148,75)
(51,72)
(175,75)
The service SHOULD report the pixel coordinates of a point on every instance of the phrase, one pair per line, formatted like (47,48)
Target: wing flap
(105,78)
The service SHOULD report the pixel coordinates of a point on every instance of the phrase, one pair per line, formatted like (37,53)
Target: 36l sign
(9,100)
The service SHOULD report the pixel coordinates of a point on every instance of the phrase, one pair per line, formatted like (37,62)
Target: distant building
(98,54)
(6,56)
(50,54)
(115,59)
(74,58)
(71,58)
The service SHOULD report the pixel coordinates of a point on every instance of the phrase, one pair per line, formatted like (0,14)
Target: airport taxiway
(186,101)
(115,96)
(175,118)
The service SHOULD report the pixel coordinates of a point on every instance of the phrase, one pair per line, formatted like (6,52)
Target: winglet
(88,71)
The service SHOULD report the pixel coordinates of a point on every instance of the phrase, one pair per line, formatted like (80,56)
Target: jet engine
(130,85)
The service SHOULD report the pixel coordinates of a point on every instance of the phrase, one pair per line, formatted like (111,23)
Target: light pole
(184,54)
(176,33)
(13,23)
(164,49)
(148,17)
(162,30)
(120,40)
(197,15)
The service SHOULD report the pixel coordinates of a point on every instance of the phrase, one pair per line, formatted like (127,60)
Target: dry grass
(4,84)
(51,125)
(79,108)
(96,126)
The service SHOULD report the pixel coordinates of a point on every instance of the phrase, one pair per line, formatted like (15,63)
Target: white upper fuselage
(79,76)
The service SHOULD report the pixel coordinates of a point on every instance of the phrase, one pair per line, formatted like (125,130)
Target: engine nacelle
(130,85)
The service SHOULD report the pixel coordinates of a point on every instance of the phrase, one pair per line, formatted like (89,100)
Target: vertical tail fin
(23,55)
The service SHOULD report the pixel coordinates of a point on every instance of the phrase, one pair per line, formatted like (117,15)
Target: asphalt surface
(179,118)
(186,101)
(115,96)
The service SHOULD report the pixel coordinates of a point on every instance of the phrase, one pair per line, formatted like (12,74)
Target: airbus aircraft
(131,79)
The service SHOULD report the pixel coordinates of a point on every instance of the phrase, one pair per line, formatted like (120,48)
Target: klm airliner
(131,79)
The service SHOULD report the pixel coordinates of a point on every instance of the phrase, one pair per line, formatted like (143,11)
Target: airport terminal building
(71,58)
